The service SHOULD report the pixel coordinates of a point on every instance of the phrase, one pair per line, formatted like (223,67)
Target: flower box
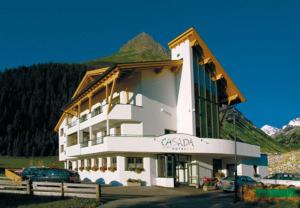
(134,182)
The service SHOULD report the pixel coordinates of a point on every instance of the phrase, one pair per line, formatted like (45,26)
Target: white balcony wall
(132,129)
(159,102)
(141,144)
(73,150)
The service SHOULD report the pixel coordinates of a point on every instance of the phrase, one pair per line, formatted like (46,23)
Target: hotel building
(156,121)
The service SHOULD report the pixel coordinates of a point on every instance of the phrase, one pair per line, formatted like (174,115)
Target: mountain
(293,123)
(289,135)
(141,48)
(31,99)
(247,132)
(270,130)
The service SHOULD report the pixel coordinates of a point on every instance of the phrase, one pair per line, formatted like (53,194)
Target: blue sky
(257,42)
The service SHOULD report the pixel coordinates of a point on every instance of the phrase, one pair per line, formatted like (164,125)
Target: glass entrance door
(182,173)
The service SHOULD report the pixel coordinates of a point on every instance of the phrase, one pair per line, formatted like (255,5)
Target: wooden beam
(96,87)
(111,95)
(205,61)
(106,93)
(78,109)
(90,102)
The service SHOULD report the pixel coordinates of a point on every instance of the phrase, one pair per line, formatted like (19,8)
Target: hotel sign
(177,142)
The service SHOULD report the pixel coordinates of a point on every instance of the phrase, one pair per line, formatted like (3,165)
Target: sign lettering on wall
(177,142)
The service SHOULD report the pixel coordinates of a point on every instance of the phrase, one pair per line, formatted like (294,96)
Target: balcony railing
(83,118)
(72,123)
(98,140)
(97,111)
(84,144)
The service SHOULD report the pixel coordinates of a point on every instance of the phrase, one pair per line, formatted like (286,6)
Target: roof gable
(191,34)
(89,77)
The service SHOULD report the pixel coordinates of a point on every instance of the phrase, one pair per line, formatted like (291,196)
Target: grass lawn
(23,162)
(23,201)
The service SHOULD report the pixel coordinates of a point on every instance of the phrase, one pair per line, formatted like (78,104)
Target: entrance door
(182,171)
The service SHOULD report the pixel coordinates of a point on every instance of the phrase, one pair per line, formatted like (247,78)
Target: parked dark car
(50,174)
(227,184)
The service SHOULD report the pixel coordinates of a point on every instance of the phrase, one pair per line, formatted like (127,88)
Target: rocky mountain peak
(143,42)
(270,130)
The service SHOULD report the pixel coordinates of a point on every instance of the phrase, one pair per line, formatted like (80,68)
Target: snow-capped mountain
(270,130)
(295,122)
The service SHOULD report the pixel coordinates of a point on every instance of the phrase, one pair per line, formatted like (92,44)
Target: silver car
(227,184)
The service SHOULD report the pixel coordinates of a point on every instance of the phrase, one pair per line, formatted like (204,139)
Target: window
(118,131)
(72,139)
(88,162)
(161,166)
(133,163)
(114,161)
(206,99)
(168,131)
(166,165)
(61,148)
(61,131)
(82,163)
(96,162)
(85,139)
(104,162)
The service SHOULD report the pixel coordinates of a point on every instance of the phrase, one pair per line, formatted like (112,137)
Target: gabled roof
(92,75)
(191,34)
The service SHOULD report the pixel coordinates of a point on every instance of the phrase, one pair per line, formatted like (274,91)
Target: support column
(91,136)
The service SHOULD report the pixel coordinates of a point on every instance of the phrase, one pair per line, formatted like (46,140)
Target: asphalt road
(136,197)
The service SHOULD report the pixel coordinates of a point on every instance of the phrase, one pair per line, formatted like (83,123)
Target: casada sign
(177,142)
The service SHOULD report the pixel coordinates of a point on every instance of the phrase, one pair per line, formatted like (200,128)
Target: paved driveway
(186,197)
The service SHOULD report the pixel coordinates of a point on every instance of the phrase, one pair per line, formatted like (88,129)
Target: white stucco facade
(149,133)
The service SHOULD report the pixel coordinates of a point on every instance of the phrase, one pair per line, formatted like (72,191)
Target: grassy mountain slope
(289,137)
(247,132)
(141,48)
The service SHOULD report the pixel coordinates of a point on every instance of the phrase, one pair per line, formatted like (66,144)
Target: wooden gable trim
(194,38)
